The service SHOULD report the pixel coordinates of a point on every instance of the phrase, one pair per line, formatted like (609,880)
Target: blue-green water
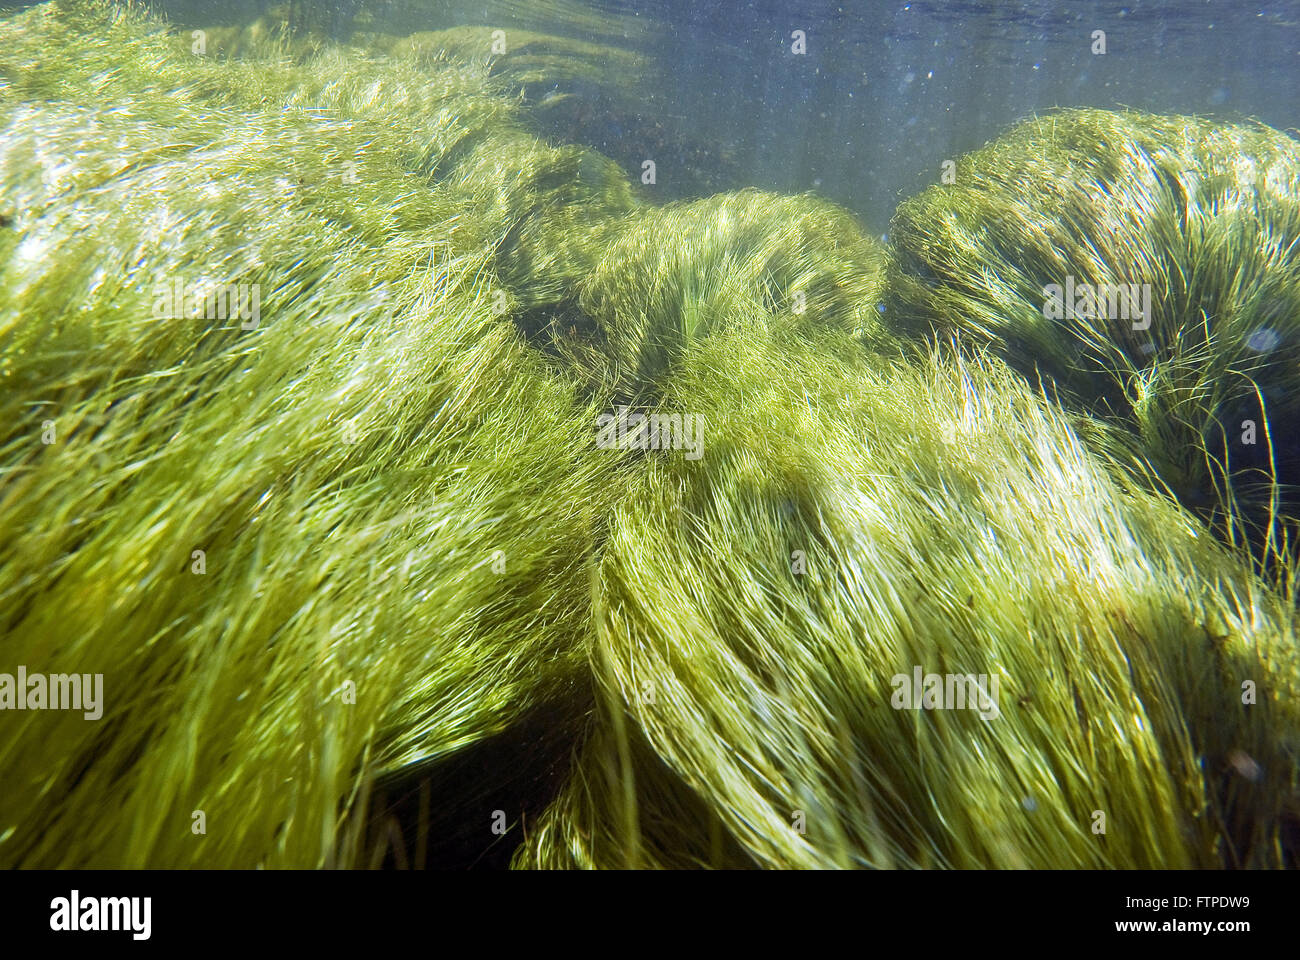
(881,93)
(884,92)
(887,91)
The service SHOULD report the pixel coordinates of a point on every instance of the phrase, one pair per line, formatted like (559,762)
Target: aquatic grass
(436,563)
(1206,215)
(392,498)
(677,272)
(650,282)
(85,51)
(524,57)
(418,568)
(593,94)
(946,518)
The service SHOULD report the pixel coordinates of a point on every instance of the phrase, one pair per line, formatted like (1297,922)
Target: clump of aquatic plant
(661,278)
(679,272)
(1045,231)
(336,527)
(590,93)
(853,520)
(536,62)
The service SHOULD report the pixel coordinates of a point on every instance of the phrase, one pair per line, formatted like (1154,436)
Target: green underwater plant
(643,283)
(584,81)
(304,357)
(342,531)
(593,94)
(852,520)
(1044,232)
(675,274)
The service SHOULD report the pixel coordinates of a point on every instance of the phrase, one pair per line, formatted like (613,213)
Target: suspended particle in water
(1263,340)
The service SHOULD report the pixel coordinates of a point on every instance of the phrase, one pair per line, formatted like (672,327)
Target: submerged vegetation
(353,541)
(1202,221)
(372,487)
(854,518)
